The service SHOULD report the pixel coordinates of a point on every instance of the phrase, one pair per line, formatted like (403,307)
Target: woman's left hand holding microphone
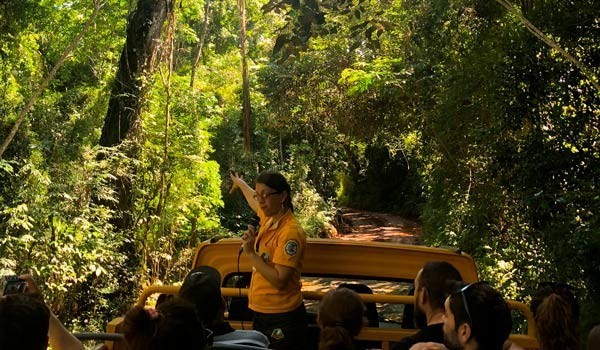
(248,239)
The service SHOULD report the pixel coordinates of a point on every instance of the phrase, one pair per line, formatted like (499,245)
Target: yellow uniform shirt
(281,243)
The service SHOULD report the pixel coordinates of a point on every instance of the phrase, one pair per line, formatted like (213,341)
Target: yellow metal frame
(350,259)
(332,257)
(385,335)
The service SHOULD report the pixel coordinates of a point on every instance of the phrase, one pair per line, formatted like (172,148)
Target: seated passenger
(27,323)
(476,318)
(23,322)
(556,314)
(432,285)
(173,325)
(340,318)
(202,287)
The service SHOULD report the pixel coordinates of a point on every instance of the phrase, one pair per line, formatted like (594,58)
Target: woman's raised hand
(235,179)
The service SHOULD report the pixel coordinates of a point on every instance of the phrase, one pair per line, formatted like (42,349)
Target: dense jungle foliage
(451,112)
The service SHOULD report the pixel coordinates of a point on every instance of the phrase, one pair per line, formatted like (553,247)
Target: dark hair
(435,277)
(24,322)
(556,313)
(276,181)
(202,287)
(490,315)
(174,325)
(562,289)
(593,340)
(341,319)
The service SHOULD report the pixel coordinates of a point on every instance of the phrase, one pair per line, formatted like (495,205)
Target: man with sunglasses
(476,318)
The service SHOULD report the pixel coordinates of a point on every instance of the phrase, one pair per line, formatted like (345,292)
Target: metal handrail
(316,295)
(83,336)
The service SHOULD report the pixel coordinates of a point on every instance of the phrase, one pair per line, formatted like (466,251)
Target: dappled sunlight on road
(379,227)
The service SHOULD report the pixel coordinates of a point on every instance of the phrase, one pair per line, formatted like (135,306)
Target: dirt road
(363,225)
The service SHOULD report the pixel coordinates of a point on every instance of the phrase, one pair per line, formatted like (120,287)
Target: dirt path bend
(360,225)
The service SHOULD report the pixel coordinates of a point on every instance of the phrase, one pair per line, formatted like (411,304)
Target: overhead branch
(21,116)
(546,39)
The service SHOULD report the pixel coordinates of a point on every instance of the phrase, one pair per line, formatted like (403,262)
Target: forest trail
(360,225)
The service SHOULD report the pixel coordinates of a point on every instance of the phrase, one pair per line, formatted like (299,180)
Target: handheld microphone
(254,222)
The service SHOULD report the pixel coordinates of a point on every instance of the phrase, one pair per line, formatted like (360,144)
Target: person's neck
(471,345)
(275,218)
(435,317)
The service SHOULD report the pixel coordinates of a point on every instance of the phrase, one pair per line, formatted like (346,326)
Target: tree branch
(21,117)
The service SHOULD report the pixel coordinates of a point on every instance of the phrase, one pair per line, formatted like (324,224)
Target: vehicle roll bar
(385,335)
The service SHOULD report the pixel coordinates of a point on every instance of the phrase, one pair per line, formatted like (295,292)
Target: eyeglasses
(264,197)
(462,292)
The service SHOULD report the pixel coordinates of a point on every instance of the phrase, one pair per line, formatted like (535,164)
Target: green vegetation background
(446,111)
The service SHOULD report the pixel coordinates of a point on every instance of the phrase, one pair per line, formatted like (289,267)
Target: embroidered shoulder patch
(291,247)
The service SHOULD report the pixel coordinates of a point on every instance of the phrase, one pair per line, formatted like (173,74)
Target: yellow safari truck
(385,270)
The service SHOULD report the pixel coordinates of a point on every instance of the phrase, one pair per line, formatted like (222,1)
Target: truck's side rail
(384,335)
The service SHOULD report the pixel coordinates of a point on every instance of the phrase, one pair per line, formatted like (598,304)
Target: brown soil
(362,225)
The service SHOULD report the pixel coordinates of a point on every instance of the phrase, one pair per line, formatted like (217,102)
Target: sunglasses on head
(463,292)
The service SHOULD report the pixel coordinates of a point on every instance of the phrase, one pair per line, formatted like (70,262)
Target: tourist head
(340,318)
(202,287)
(24,322)
(556,313)
(173,325)
(593,341)
(476,314)
(273,192)
(432,285)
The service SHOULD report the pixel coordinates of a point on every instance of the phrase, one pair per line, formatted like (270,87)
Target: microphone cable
(255,222)
(239,281)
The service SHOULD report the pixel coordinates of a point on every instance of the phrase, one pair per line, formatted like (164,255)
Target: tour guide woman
(276,254)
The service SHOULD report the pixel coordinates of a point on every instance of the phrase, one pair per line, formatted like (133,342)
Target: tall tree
(137,60)
(246,108)
(144,30)
(205,22)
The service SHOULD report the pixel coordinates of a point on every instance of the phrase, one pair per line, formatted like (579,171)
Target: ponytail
(340,317)
(335,337)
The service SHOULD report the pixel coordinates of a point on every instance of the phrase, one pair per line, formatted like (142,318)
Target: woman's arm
(278,276)
(238,182)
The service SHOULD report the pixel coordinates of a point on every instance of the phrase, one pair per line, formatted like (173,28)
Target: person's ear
(425,296)
(284,198)
(464,333)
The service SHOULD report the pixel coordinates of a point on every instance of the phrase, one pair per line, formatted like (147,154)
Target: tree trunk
(144,31)
(246,108)
(137,61)
(201,43)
